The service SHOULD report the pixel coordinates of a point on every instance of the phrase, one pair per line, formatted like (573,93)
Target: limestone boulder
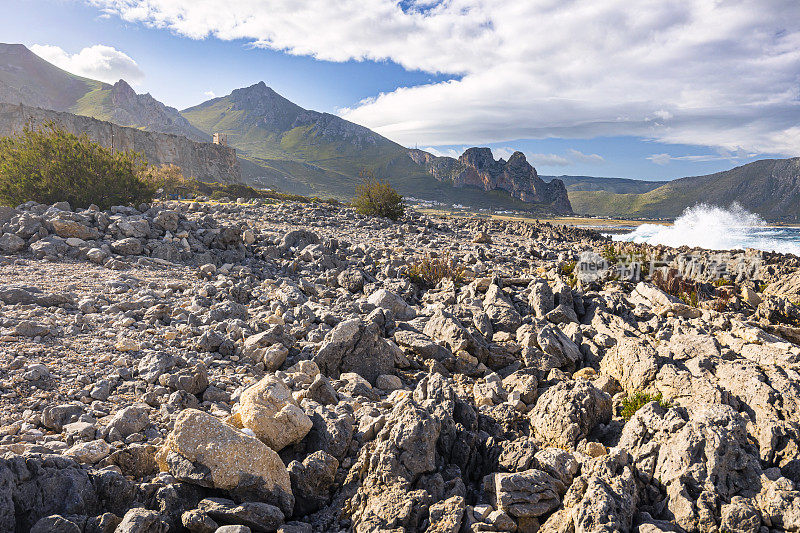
(632,362)
(356,346)
(567,412)
(269,410)
(392,302)
(530,493)
(203,450)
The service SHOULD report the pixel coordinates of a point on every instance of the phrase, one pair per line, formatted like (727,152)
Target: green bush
(49,165)
(377,198)
(633,403)
(568,268)
(610,255)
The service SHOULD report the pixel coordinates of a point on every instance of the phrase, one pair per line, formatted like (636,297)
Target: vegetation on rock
(633,403)
(672,283)
(427,272)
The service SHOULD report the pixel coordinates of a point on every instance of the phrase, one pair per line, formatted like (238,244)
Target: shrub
(49,165)
(568,268)
(675,285)
(428,272)
(631,404)
(610,254)
(166,178)
(377,198)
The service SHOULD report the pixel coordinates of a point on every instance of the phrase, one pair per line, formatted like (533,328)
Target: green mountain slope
(770,187)
(612,185)
(25,78)
(267,126)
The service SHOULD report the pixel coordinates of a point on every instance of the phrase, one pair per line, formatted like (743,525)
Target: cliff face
(477,168)
(208,162)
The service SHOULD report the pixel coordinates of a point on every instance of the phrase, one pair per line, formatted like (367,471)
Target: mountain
(267,126)
(769,187)
(309,152)
(613,185)
(27,79)
(477,168)
(280,144)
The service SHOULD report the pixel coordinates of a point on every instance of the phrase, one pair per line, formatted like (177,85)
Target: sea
(717,228)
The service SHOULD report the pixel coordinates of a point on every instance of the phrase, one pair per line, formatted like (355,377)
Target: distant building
(220,138)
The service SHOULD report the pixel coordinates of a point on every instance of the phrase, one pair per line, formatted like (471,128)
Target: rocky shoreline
(271,367)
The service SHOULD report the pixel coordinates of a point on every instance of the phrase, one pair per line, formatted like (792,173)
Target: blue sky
(581,87)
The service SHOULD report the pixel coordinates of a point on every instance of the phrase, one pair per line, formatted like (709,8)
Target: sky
(646,89)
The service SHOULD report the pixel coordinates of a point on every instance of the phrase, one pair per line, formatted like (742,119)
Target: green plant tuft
(568,268)
(609,254)
(633,403)
(427,272)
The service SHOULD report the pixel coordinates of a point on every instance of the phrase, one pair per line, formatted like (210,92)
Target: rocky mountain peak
(265,107)
(123,88)
(131,109)
(477,158)
(477,168)
(518,164)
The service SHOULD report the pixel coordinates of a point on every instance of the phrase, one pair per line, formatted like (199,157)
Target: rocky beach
(251,366)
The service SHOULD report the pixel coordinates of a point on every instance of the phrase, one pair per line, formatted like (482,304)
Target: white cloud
(209,94)
(720,74)
(547,160)
(443,152)
(576,155)
(660,159)
(98,62)
(503,152)
(666,159)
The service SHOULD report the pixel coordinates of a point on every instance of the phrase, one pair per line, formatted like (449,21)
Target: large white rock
(269,410)
(392,302)
(228,459)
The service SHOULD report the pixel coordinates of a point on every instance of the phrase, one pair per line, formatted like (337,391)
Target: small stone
(10,243)
(198,521)
(89,452)
(595,449)
(127,345)
(482,238)
(129,420)
(388,382)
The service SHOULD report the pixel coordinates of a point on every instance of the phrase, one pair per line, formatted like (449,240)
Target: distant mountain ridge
(769,187)
(613,185)
(476,167)
(257,119)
